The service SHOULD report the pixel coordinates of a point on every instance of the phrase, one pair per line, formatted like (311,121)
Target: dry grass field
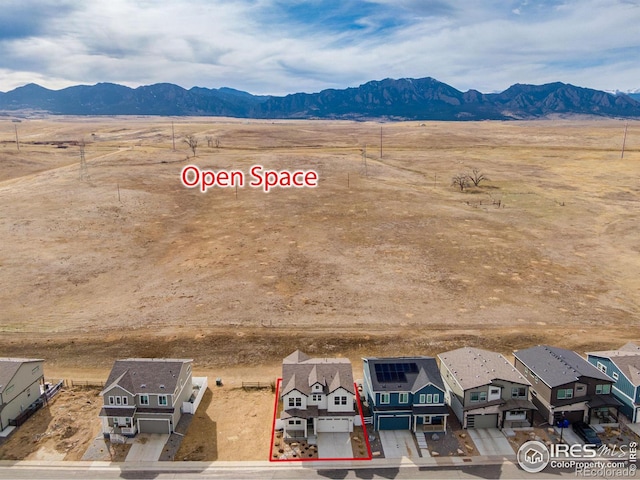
(385,258)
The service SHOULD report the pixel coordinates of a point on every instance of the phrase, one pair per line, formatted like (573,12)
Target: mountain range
(397,99)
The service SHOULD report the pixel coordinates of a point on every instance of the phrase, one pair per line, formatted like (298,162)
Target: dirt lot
(59,431)
(382,258)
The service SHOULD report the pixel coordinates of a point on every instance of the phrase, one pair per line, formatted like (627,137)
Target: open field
(381,259)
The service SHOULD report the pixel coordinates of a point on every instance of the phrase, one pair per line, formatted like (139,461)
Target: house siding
(21,391)
(622,389)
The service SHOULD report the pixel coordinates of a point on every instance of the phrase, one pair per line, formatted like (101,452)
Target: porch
(604,410)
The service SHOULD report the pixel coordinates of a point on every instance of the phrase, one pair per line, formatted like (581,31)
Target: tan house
(20,382)
(484,390)
(317,396)
(145,395)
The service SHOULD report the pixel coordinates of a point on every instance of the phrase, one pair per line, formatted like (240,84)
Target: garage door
(333,425)
(572,416)
(482,421)
(394,423)
(153,426)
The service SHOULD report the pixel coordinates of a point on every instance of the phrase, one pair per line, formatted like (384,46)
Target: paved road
(261,470)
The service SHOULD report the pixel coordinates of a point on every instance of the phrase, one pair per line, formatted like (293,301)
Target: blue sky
(279,47)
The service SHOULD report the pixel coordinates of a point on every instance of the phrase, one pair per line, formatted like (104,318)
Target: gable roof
(425,372)
(300,372)
(626,358)
(10,366)
(474,367)
(558,366)
(146,375)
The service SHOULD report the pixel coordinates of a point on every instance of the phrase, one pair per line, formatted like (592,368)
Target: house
(484,390)
(565,386)
(145,395)
(317,395)
(623,366)
(405,393)
(20,387)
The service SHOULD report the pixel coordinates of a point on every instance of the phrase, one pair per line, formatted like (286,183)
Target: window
(316,397)
(295,401)
(118,400)
(384,398)
(564,393)
(483,396)
(125,400)
(404,397)
(9,388)
(602,367)
(603,389)
(615,376)
(579,389)
(517,392)
(526,371)
(423,398)
(35,369)
(429,398)
(436,398)
(340,400)
(162,400)
(144,399)
(475,396)
(112,401)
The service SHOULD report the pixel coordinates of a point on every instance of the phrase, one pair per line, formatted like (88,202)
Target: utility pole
(624,139)
(364,158)
(380,142)
(173,137)
(17,141)
(84,173)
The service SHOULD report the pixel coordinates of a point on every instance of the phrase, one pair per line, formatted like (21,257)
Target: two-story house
(565,386)
(317,395)
(405,393)
(145,395)
(623,366)
(20,381)
(484,390)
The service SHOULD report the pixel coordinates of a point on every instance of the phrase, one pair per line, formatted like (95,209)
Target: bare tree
(217,142)
(209,141)
(192,141)
(476,177)
(461,181)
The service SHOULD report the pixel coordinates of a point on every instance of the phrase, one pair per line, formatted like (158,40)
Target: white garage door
(333,425)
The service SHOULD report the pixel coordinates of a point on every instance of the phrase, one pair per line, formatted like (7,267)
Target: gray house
(484,390)
(20,381)
(145,395)
(565,386)
(317,396)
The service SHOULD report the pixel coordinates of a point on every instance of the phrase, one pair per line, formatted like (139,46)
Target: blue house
(623,366)
(405,393)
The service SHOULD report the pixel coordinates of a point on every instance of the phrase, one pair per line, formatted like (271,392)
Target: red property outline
(273,433)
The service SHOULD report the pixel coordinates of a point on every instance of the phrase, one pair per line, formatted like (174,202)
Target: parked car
(587,433)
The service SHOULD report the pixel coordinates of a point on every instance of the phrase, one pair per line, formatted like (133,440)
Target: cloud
(279,47)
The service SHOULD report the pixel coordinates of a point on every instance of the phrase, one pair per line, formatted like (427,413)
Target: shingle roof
(427,373)
(9,367)
(626,358)
(557,366)
(146,375)
(300,372)
(474,367)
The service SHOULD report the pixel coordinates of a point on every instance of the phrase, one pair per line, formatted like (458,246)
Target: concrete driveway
(147,447)
(334,445)
(398,444)
(490,441)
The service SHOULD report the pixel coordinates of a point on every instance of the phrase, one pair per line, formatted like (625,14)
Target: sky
(277,47)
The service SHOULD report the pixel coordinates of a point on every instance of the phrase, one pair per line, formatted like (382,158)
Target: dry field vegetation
(384,260)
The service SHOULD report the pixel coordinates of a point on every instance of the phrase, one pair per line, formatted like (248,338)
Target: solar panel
(394,372)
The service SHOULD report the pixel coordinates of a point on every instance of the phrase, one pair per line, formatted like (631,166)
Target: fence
(52,391)
(84,383)
(259,386)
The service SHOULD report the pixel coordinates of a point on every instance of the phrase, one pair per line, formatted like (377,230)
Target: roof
(626,358)
(300,372)
(558,366)
(9,367)
(146,375)
(422,372)
(474,367)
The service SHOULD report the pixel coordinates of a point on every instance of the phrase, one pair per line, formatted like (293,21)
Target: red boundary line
(273,433)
